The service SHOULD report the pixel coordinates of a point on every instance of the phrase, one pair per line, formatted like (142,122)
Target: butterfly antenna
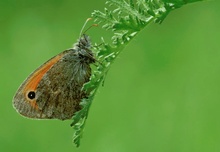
(84,31)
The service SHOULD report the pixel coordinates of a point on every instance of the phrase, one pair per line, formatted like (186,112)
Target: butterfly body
(54,90)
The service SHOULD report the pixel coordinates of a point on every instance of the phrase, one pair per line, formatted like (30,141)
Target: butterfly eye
(31,95)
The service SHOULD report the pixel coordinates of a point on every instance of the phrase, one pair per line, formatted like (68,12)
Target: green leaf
(125,19)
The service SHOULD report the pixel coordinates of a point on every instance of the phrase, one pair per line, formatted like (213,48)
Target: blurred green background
(161,95)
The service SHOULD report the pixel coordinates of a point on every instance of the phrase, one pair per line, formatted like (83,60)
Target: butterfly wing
(53,91)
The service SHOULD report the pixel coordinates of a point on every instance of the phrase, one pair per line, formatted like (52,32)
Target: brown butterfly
(54,90)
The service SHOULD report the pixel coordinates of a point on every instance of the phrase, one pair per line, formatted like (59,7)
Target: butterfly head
(83,47)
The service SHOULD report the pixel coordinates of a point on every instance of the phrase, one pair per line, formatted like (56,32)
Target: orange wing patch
(36,77)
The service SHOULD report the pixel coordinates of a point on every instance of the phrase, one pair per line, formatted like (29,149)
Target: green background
(161,95)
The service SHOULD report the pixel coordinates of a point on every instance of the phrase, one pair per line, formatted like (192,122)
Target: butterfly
(54,90)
